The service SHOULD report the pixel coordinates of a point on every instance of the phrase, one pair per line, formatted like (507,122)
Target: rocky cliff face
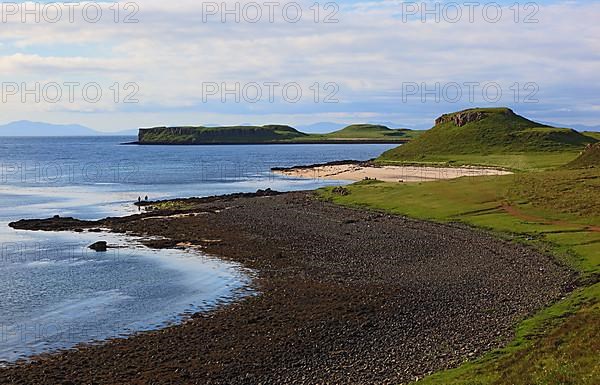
(465,117)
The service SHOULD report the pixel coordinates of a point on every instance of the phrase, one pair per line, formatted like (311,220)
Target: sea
(56,293)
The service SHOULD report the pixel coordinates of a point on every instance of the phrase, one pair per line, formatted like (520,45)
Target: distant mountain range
(578,127)
(28,128)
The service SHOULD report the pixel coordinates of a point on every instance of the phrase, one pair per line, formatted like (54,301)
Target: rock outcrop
(99,246)
(463,118)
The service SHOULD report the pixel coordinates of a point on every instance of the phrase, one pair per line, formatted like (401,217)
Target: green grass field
(551,210)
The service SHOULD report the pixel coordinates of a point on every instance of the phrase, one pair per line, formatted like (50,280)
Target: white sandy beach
(355,172)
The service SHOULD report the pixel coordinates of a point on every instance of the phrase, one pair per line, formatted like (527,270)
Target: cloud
(370,53)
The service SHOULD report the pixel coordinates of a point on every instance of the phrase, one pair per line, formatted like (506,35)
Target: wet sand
(346,296)
(359,171)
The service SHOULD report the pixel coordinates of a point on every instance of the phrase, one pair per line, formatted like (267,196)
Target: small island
(271,134)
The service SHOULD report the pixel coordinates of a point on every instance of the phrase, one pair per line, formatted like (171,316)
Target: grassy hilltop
(491,136)
(372,131)
(271,134)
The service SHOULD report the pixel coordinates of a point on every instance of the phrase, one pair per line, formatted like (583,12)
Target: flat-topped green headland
(270,134)
(487,136)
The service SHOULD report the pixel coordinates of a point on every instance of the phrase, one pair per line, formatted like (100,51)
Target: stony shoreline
(346,296)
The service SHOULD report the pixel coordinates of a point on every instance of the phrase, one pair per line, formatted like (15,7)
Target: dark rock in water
(56,223)
(266,193)
(334,163)
(99,246)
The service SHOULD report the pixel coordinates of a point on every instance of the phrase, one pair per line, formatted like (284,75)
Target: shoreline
(341,141)
(357,171)
(338,301)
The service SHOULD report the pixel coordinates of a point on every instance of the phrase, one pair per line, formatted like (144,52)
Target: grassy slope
(592,134)
(588,159)
(556,346)
(501,137)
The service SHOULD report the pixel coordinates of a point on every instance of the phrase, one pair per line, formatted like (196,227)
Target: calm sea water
(55,293)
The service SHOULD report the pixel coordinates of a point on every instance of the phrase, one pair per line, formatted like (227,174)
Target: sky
(150,62)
